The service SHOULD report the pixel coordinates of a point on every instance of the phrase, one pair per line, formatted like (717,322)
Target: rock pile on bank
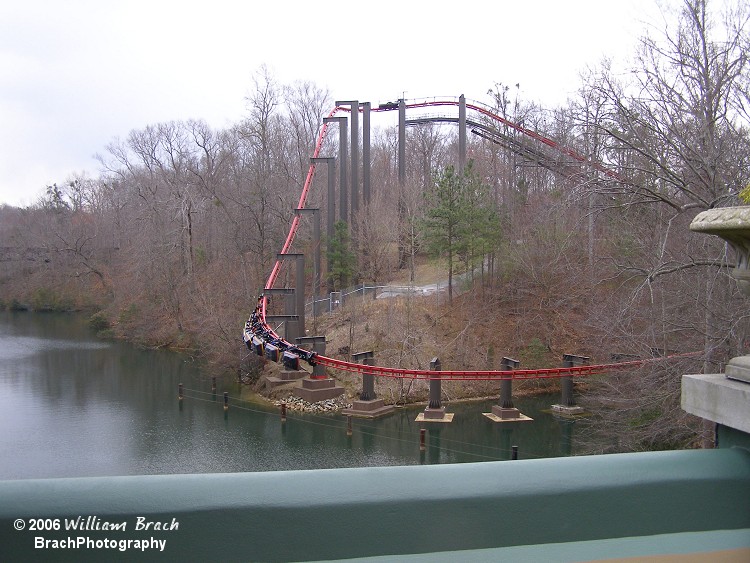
(327,406)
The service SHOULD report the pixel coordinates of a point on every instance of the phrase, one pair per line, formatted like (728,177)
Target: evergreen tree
(444,217)
(460,221)
(341,260)
(480,230)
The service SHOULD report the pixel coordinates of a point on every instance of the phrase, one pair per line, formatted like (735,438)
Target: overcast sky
(74,74)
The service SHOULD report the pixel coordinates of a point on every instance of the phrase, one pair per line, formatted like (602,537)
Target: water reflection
(74,406)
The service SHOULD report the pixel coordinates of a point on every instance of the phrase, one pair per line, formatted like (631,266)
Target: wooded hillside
(172,238)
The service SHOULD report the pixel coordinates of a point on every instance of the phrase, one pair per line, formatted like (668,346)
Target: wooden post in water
(226,401)
(283,412)
(349,425)
(422,446)
(179,392)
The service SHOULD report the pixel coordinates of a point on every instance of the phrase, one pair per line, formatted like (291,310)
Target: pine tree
(460,221)
(341,259)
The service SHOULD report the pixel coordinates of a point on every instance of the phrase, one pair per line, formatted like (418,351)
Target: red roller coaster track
(257,325)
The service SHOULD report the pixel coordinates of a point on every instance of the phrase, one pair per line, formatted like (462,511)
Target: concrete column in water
(317,387)
(506,385)
(368,405)
(435,411)
(504,411)
(436,388)
(567,402)
(368,379)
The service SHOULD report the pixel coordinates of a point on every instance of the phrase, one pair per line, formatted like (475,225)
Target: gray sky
(76,74)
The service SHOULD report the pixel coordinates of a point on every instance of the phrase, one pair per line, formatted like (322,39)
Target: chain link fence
(329,303)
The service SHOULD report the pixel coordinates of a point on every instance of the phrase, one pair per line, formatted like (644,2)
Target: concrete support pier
(285,377)
(317,387)
(505,411)
(567,406)
(435,411)
(368,405)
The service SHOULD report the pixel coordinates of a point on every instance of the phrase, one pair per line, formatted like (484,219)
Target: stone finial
(733,225)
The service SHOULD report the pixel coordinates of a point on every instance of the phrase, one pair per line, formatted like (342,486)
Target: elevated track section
(260,337)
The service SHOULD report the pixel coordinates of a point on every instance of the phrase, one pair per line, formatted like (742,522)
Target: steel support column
(401,206)
(566,383)
(366,153)
(343,157)
(315,212)
(299,282)
(506,385)
(435,386)
(318,345)
(368,379)
(289,318)
(461,133)
(330,206)
(354,173)
(401,144)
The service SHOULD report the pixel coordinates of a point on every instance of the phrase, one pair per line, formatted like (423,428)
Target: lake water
(72,406)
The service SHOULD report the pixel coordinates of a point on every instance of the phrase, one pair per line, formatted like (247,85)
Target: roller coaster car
(388,105)
(256,345)
(247,336)
(272,352)
(290,360)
